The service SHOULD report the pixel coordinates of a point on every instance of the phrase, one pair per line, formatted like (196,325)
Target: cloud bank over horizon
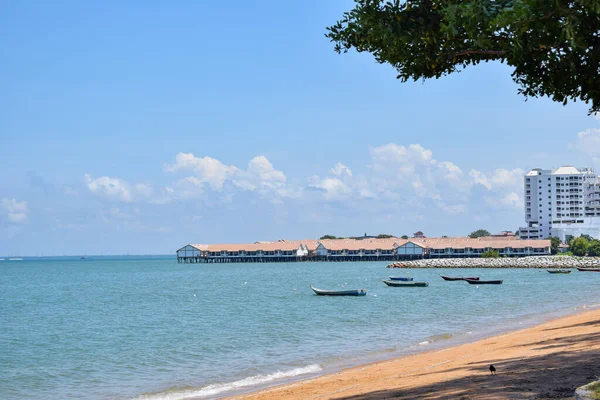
(395,189)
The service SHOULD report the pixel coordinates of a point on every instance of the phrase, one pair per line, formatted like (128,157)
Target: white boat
(353,292)
(15,259)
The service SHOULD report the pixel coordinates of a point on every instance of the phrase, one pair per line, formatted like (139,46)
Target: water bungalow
(389,249)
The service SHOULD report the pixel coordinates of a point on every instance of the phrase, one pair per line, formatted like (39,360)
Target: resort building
(561,202)
(359,250)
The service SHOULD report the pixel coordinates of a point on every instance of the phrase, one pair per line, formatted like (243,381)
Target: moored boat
(458,278)
(480,282)
(588,269)
(559,271)
(406,284)
(400,278)
(353,292)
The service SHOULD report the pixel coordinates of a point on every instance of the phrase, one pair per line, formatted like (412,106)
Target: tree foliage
(404,236)
(328,237)
(552,46)
(384,236)
(479,233)
(490,254)
(594,248)
(554,244)
(579,246)
(569,239)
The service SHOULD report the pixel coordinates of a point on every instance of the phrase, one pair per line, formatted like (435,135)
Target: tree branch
(479,52)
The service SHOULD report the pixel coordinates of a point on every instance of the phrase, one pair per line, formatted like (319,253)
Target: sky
(137,127)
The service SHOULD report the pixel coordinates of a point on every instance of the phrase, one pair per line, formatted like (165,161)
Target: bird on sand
(492,369)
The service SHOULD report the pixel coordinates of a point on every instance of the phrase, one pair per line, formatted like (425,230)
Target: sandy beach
(547,361)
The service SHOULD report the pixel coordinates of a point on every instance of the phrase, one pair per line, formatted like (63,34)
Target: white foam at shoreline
(212,390)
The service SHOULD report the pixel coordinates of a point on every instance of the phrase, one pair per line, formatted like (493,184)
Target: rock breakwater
(521,262)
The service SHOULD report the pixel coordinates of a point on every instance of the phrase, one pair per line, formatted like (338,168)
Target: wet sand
(547,361)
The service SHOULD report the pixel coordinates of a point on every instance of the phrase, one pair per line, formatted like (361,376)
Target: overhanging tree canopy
(554,46)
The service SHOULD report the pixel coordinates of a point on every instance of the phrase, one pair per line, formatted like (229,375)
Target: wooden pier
(220,260)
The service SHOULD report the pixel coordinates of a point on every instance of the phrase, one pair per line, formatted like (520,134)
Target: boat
(480,282)
(15,259)
(353,292)
(400,278)
(458,278)
(559,271)
(406,284)
(588,269)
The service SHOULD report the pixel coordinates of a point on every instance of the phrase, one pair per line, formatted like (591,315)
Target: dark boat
(400,278)
(406,284)
(588,269)
(559,271)
(479,282)
(458,278)
(353,292)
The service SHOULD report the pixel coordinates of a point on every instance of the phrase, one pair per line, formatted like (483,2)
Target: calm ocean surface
(155,329)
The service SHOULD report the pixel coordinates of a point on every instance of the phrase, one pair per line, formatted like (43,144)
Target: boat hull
(354,292)
(450,278)
(559,271)
(480,282)
(406,284)
(400,278)
(588,269)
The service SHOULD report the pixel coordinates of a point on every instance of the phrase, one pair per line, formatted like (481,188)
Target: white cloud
(15,211)
(333,188)
(396,169)
(117,189)
(260,175)
(509,200)
(207,169)
(500,179)
(112,188)
(340,169)
(404,161)
(588,142)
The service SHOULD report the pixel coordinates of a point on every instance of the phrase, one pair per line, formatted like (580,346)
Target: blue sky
(137,127)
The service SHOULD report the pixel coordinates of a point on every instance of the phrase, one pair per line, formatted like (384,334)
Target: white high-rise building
(561,202)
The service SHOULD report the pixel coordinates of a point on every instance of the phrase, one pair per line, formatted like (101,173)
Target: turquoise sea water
(155,329)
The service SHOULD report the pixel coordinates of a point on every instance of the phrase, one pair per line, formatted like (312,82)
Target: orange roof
(375,244)
(481,243)
(363,244)
(284,245)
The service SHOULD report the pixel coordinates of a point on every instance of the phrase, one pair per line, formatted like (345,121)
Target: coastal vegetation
(380,236)
(490,254)
(479,233)
(594,248)
(324,237)
(554,244)
(551,46)
(579,246)
(585,245)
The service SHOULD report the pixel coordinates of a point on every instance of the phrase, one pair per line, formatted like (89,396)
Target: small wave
(424,343)
(442,336)
(215,389)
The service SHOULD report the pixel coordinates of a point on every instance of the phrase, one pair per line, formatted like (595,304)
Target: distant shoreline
(88,257)
(536,262)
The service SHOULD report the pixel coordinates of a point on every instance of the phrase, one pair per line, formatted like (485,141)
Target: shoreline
(448,365)
(533,262)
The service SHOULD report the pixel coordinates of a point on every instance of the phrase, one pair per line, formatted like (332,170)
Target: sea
(150,328)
